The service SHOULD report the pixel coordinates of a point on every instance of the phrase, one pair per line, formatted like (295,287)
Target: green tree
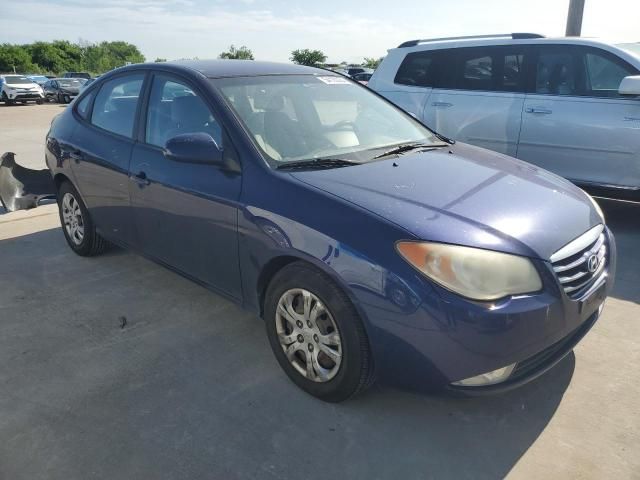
(105,56)
(16,57)
(242,53)
(308,57)
(57,56)
(372,62)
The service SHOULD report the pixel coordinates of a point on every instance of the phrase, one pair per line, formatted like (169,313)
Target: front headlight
(596,206)
(472,272)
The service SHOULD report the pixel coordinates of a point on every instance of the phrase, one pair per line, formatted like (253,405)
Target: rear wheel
(78,229)
(316,334)
(39,102)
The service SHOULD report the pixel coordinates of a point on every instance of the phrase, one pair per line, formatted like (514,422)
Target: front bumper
(446,339)
(22,95)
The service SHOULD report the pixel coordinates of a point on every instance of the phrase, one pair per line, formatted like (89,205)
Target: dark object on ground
(23,188)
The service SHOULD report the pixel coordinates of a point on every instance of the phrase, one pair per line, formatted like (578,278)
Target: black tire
(355,373)
(92,243)
(59,98)
(39,102)
(6,100)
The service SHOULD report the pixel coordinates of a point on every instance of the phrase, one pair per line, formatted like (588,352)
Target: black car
(62,90)
(84,75)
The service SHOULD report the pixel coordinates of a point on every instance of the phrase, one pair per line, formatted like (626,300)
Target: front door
(185,213)
(576,124)
(480,99)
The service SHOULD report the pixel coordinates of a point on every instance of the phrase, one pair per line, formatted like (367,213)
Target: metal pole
(574,18)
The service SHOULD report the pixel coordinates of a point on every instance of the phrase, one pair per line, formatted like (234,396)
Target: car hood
(69,89)
(26,86)
(466,195)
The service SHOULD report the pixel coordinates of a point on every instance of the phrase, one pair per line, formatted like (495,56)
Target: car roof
(481,40)
(233,68)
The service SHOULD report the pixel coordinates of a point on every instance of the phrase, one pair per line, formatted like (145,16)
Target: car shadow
(101,357)
(623,218)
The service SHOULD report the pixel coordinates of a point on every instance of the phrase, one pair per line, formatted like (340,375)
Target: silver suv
(569,105)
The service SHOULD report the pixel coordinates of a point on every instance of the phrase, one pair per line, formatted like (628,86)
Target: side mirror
(630,85)
(196,147)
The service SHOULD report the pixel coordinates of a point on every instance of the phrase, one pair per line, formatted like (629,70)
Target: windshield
(305,117)
(17,79)
(632,48)
(71,82)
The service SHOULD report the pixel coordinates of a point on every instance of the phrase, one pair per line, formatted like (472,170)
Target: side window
(115,106)
(477,70)
(175,109)
(604,75)
(418,69)
(494,68)
(512,72)
(82,108)
(556,73)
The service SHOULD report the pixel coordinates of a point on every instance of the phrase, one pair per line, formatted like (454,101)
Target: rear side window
(84,105)
(418,69)
(489,69)
(115,106)
(477,72)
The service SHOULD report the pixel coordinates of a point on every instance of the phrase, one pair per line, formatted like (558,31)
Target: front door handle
(540,110)
(141,179)
(442,104)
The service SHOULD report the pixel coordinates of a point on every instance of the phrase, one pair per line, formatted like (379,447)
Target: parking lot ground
(23,129)
(114,367)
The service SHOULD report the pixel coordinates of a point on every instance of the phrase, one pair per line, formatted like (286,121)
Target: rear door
(102,146)
(185,213)
(575,123)
(480,97)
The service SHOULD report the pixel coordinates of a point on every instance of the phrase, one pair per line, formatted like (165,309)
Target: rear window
(418,69)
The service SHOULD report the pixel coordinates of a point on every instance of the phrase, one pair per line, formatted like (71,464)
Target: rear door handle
(141,178)
(442,104)
(542,111)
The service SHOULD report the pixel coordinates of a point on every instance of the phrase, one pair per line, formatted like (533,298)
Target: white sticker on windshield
(334,80)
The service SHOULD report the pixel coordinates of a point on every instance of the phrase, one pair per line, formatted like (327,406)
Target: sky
(344,30)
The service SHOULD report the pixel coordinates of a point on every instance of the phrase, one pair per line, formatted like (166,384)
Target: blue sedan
(372,247)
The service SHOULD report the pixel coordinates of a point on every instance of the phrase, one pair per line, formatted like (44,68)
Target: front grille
(579,264)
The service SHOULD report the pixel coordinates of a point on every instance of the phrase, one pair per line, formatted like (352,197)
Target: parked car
(362,78)
(84,75)
(18,88)
(87,83)
(570,105)
(63,90)
(39,79)
(371,246)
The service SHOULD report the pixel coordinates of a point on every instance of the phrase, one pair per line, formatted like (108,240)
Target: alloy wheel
(72,216)
(308,335)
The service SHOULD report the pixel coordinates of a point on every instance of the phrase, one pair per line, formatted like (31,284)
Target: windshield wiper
(406,147)
(317,163)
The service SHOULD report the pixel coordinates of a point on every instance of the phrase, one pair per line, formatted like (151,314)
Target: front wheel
(316,334)
(77,226)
